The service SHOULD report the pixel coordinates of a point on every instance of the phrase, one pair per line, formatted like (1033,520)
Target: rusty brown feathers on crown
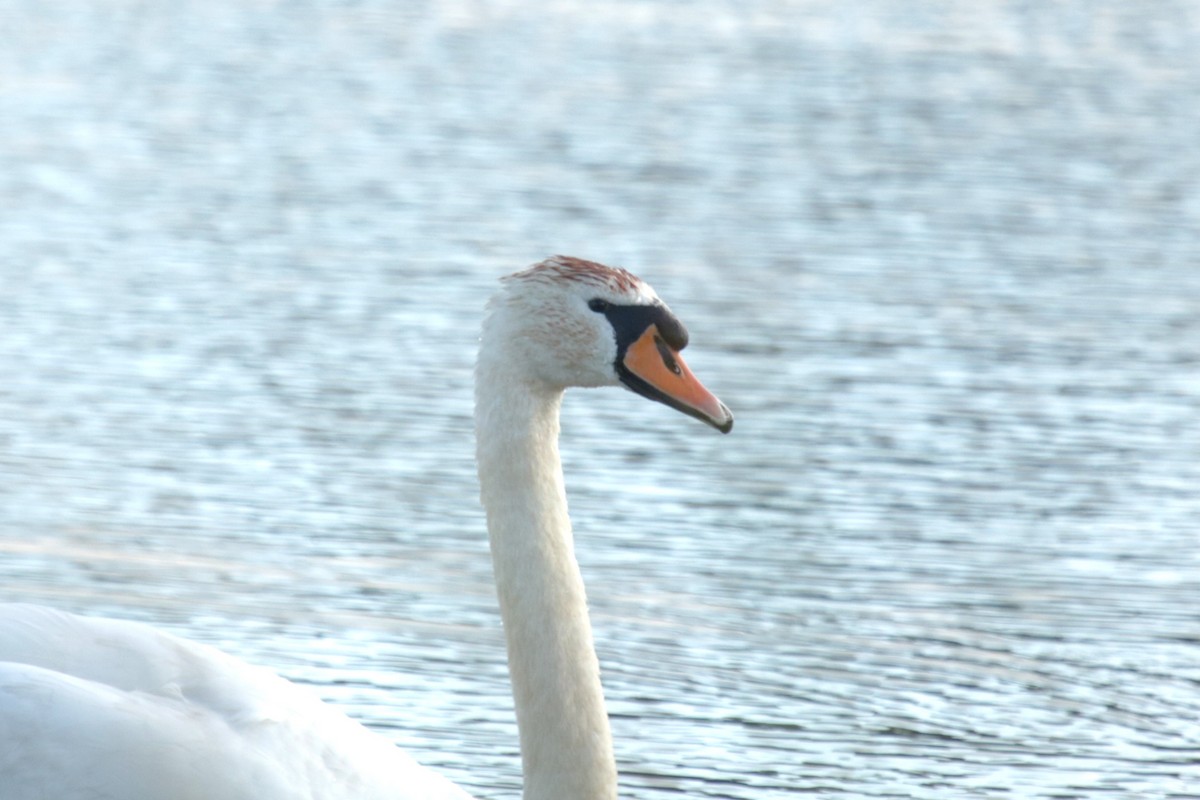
(569,268)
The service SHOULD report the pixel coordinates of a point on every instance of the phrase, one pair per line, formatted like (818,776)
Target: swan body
(97,709)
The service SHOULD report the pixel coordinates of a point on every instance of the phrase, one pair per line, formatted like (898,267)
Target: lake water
(941,259)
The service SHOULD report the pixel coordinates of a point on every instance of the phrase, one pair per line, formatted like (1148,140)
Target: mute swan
(101,709)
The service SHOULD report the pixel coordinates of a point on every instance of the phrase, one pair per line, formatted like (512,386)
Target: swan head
(568,322)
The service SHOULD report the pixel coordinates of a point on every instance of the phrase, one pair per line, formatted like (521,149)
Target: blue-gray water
(940,258)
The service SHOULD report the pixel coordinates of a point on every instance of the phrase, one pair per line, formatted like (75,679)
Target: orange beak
(655,370)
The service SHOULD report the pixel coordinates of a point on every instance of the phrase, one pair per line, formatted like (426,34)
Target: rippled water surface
(940,258)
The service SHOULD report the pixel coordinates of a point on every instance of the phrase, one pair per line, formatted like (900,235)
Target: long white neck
(566,745)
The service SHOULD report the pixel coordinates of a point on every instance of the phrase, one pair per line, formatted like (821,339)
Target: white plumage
(100,708)
(97,709)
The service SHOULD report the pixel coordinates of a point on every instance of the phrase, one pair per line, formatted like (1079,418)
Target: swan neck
(566,744)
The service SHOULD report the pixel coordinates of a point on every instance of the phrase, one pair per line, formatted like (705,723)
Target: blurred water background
(940,258)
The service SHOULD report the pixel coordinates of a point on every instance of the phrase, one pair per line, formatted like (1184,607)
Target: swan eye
(667,356)
(598,305)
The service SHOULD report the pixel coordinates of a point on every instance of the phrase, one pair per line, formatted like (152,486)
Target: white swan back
(100,709)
